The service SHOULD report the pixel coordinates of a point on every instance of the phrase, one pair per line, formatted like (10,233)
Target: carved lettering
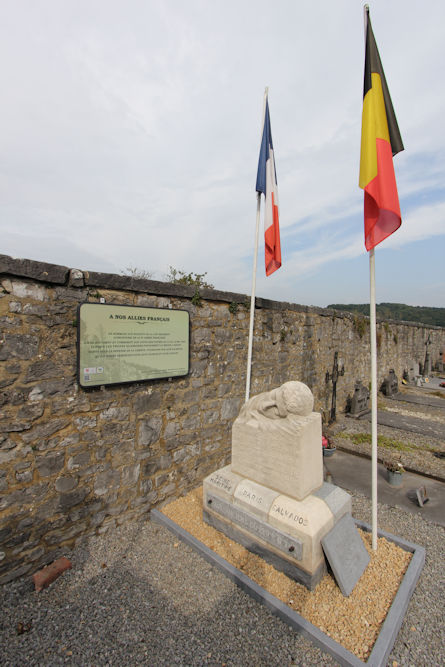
(257,527)
(302,521)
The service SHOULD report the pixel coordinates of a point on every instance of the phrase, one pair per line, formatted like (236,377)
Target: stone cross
(336,372)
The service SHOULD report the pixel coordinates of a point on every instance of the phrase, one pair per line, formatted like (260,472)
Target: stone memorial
(272,498)
(413,372)
(390,385)
(359,405)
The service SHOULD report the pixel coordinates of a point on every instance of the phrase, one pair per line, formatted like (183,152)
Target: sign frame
(109,339)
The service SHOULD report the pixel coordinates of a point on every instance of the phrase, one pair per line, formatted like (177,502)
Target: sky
(131,134)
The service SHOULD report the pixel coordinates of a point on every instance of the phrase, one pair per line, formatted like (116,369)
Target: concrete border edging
(390,627)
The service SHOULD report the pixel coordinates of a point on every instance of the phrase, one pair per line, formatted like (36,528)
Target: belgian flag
(381,140)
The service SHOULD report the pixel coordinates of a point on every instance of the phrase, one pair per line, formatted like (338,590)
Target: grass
(383,441)
(388,444)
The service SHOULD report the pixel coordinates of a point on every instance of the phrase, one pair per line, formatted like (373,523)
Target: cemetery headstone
(390,384)
(360,400)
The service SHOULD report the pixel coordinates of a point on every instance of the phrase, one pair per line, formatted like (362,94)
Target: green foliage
(359,325)
(196,298)
(179,277)
(135,272)
(398,311)
(233,307)
(283,335)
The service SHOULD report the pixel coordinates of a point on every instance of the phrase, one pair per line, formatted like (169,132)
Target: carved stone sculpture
(276,440)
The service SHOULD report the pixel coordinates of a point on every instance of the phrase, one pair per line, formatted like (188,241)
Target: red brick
(48,574)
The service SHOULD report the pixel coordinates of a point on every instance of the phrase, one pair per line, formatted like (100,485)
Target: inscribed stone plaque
(254,498)
(119,344)
(291,545)
(346,553)
(222,482)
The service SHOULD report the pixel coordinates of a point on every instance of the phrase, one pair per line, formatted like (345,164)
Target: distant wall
(75,462)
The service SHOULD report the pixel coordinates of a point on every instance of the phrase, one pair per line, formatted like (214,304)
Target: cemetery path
(353,473)
(413,424)
(419,399)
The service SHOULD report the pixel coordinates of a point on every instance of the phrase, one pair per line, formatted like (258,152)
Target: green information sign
(129,344)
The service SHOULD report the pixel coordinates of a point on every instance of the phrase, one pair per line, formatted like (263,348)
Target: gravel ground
(137,596)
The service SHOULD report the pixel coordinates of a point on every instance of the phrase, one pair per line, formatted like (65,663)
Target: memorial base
(286,532)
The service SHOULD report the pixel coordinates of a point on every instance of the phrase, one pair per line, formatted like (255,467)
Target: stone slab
(254,525)
(412,424)
(338,500)
(265,551)
(346,553)
(254,498)
(389,629)
(433,401)
(284,455)
(223,481)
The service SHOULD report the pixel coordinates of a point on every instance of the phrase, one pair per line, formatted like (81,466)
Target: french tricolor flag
(266,182)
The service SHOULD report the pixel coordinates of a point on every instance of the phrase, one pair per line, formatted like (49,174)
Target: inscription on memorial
(130,343)
(292,516)
(289,545)
(222,482)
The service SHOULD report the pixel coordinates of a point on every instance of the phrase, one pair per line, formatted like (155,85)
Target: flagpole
(372,316)
(252,298)
(255,260)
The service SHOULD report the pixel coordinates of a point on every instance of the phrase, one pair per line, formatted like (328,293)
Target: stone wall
(74,462)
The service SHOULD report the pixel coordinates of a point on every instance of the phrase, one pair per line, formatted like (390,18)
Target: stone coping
(390,627)
(63,275)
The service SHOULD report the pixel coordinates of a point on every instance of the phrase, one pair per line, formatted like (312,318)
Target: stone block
(64,484)
(289,462)
(20,346)
(254,498)
(346,553)
(223,482)
(50,464)
(149,431)
(50,573)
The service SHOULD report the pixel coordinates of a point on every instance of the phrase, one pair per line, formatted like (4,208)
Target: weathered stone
(21,346)
(45,429)
(79,461)
(171,429)
(64,484)
(30,412)
(76,278)
(146,402)
(130,474)
(41,370)
(119,414)
(106,481)
(230,408)
(149,431)
(25,476)
(67,500)
(50,464)
(85,422)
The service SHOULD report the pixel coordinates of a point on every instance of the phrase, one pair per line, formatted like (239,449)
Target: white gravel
(137,596)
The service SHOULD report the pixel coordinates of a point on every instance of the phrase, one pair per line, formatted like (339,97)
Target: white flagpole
(373,336)
(373,395)
(255,258)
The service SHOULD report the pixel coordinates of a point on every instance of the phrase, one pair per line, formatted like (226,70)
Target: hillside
(397,311)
